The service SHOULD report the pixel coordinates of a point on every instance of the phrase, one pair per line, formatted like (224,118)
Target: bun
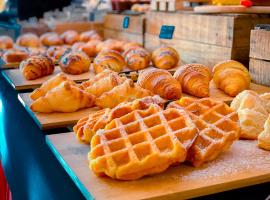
(6,42)
(28,40)
(137,58)
(89,35)
(70,37)
(51,39)
(55,52)
(165,58)
(15,56)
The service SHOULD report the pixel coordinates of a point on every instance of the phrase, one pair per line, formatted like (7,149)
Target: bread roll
(28,40)
(51,39)
(6,42)
(70,37)
(165,58)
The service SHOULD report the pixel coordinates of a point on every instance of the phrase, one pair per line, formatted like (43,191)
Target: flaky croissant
(63,98)
(137,58)
(160,82)
(231,76)
(36,67)
(127,91)
(194,79)
(48,85)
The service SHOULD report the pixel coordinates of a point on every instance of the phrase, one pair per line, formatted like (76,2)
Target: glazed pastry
(36,67)
(160,82)
(127,91)
(194,79)
(15,56)
(76,46)
(34,51)
(165,58)
(89,35)
(109,60)
(28,40)
(56,52)
(6,42)
(90,48)
(231,76)
(75,63)
(266,98)
(70,37)
(63,98)
(111,44)
(137,58)
(129,45)
(264,136)
(51,39)
(49,85)
(249,106)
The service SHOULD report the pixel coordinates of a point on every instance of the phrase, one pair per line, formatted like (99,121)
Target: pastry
(49,85)
(194,79)
(143,142)
(89,35)
(51,39)
(77,46)
(231,76)
(63,98)
(70,37)
(35,51)
(137,58)
(165,58)
(90,48)
(28,40)
(56,52)
(36,67)
(127,91)
(266,98)
(6,42)
(264,136)
(249,106)
(160,82)
(15,55)
(75,62)
(129,45)
(111,44)
(217,124)
(109,59)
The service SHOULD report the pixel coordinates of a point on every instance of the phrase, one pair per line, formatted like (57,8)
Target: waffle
(142,142)
(217,124)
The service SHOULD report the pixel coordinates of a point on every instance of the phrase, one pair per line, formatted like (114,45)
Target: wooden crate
(204,38)
(259,63)
(113,27)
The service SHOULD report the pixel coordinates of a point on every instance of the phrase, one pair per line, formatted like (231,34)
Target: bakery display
(35,67)
(142,142)
(6,42)
(15,55)
(264,136)
(51,39)
(231,76)
(70,37)
(56,52)
(75,62)
(90,48)
(137,58)
(90,35)
(65,97)
(194,79)
(160,82)
(165,58)
(28,40)
(109,59)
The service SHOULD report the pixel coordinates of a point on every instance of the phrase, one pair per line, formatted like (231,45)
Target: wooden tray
(243,165)
(232,9)
(18,82)
(53,120)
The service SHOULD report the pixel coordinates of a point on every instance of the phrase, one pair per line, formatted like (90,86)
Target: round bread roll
(165,58)
(51,39)
(90,48)
(70,37)
(129,45)
(76,46)
(28,40)
(111,44)
(90,35)
(137,58)
(15,55)
(55,52)
(75,62)
(6,42)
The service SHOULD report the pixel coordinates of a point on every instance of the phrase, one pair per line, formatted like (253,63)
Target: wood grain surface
(260,44)
(122,35)
(259,71)
(242,165)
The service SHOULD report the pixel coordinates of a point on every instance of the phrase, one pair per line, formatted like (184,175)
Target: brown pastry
(6,42)
(55,52)
(137,58)
(89,35)
(28,40)
(70,37)
(51,39)
(109,59)
(111,44)
(160,82)
(90,48)
(15,55)
(194,79)
(76,62)
(36,67)
(33,51)
(77,45)
(129,45)
(165,58)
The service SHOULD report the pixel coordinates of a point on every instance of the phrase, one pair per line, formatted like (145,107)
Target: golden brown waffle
(142,142)
(217,124)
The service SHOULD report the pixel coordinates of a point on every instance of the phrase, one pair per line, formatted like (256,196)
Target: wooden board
(260,44)
(242,165)
(53,120)
(121,35)
(10,65)
(232,9)
(259,71)
(18,82)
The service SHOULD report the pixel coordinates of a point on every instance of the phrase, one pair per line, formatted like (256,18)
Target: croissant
(70,37)
(63,98)
(127,91)
(109,59)
(90,48)
(75,62)
(137,58)
(51,39)
(6,42)
(160,82)
(194,79)
(55,52)
(231,76)
(36,67)
(28,40)
(111,44)
(48,85)
(89,35)
(129,45)
(264,137)
(165,58)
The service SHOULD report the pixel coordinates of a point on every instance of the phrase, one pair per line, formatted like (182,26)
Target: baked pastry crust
(28,40)
(15,55)
(137,58)
(165,58)
(70,37)
(264,137)
(6,42)
(51,39)
(90,35)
